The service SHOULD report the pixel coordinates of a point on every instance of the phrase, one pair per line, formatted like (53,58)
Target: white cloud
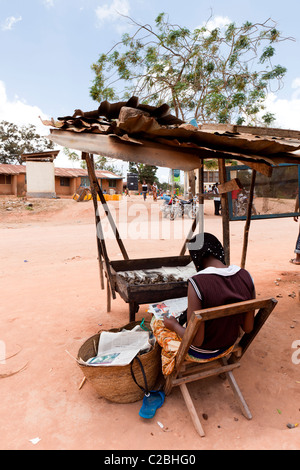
(215,22)
(20,113)
(287,111)
(218,22)
(296,86)
(112,11)
(49,3)
(9,22)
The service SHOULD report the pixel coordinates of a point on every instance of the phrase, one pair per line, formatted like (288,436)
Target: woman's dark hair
(204,245)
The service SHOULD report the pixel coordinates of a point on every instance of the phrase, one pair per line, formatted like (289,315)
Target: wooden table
(137,294)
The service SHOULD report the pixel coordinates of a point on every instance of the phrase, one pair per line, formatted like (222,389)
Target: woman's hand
(170,323)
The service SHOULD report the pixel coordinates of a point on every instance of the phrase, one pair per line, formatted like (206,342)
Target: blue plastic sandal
(151,402)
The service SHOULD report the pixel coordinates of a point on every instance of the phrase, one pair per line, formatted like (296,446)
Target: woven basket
(115,383)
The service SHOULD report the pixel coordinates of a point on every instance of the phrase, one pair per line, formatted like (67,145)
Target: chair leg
(190,406)
(232,382)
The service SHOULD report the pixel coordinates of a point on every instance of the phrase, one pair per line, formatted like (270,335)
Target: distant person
(167,197)
(154,191)
(234,197)
(144,190)
(217,199)
(297,249)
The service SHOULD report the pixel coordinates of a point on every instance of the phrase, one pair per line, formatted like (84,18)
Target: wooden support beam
(248,220)
(225,212)
(199,219)
(229,186)
(94,189)
(94,181)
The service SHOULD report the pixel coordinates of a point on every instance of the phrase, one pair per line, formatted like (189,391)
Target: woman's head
(203,246)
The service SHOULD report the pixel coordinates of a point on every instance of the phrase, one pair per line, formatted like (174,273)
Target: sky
(48,47)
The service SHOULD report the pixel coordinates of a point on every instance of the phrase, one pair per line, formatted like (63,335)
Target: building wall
(21,185)
(61,190)
(118,188)
(6,189)
(40,179)
(75,183)
(16,187)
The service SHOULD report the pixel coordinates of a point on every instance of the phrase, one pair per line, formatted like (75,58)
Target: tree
(100,162)
(146,172)
(14,141)
(218,75)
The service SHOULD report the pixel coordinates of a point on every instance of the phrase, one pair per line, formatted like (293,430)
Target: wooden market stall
(151,135)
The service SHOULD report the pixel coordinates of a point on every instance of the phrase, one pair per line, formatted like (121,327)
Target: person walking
(154,191)
(297,249)
(217,199)
(144,190)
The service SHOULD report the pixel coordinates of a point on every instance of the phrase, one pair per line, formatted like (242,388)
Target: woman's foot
(294,261)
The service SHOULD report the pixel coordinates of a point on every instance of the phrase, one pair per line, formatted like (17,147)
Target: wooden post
(200,196)
(248,219)
(191,180)
(199,216)
(95,184)
(100,243)
(225,212)
(99,247)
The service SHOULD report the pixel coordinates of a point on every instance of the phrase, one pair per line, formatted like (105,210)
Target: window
(85,181)
(64,181)
(5,179)
(216,176)
(112,183)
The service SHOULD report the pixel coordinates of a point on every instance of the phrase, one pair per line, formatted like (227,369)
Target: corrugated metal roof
(129,131)
(8,169)
(77,172)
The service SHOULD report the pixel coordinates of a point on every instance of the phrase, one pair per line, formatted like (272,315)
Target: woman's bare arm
(193,304)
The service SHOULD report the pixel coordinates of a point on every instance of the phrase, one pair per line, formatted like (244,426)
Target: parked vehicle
(242,204)
(176,207)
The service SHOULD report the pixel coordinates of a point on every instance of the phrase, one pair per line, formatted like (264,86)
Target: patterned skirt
(170,342)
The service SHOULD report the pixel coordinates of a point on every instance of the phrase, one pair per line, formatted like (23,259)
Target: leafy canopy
(146,173)
(212,74)
(100,162)
(14,141)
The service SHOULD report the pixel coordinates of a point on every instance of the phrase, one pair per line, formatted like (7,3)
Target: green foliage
(14,141)
(268,119)
(146,172)
(100,162)
(219,75)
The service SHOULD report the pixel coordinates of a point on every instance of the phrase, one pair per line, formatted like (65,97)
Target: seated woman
(214,284)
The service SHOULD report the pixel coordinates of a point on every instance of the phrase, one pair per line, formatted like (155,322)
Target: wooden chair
(185,371)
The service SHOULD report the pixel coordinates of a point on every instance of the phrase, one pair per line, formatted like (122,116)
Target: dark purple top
(214,290)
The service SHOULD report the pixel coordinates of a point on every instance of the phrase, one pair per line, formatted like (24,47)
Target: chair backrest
(264,307)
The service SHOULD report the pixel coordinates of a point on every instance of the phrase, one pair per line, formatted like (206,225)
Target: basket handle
(145,390)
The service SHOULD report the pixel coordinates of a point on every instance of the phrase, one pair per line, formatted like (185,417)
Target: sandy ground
(51,302)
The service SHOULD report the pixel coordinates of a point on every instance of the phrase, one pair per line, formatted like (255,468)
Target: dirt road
(51,302)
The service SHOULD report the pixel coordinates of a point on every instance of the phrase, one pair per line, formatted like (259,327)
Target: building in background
(40,173)
(65,181)
(12,180)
